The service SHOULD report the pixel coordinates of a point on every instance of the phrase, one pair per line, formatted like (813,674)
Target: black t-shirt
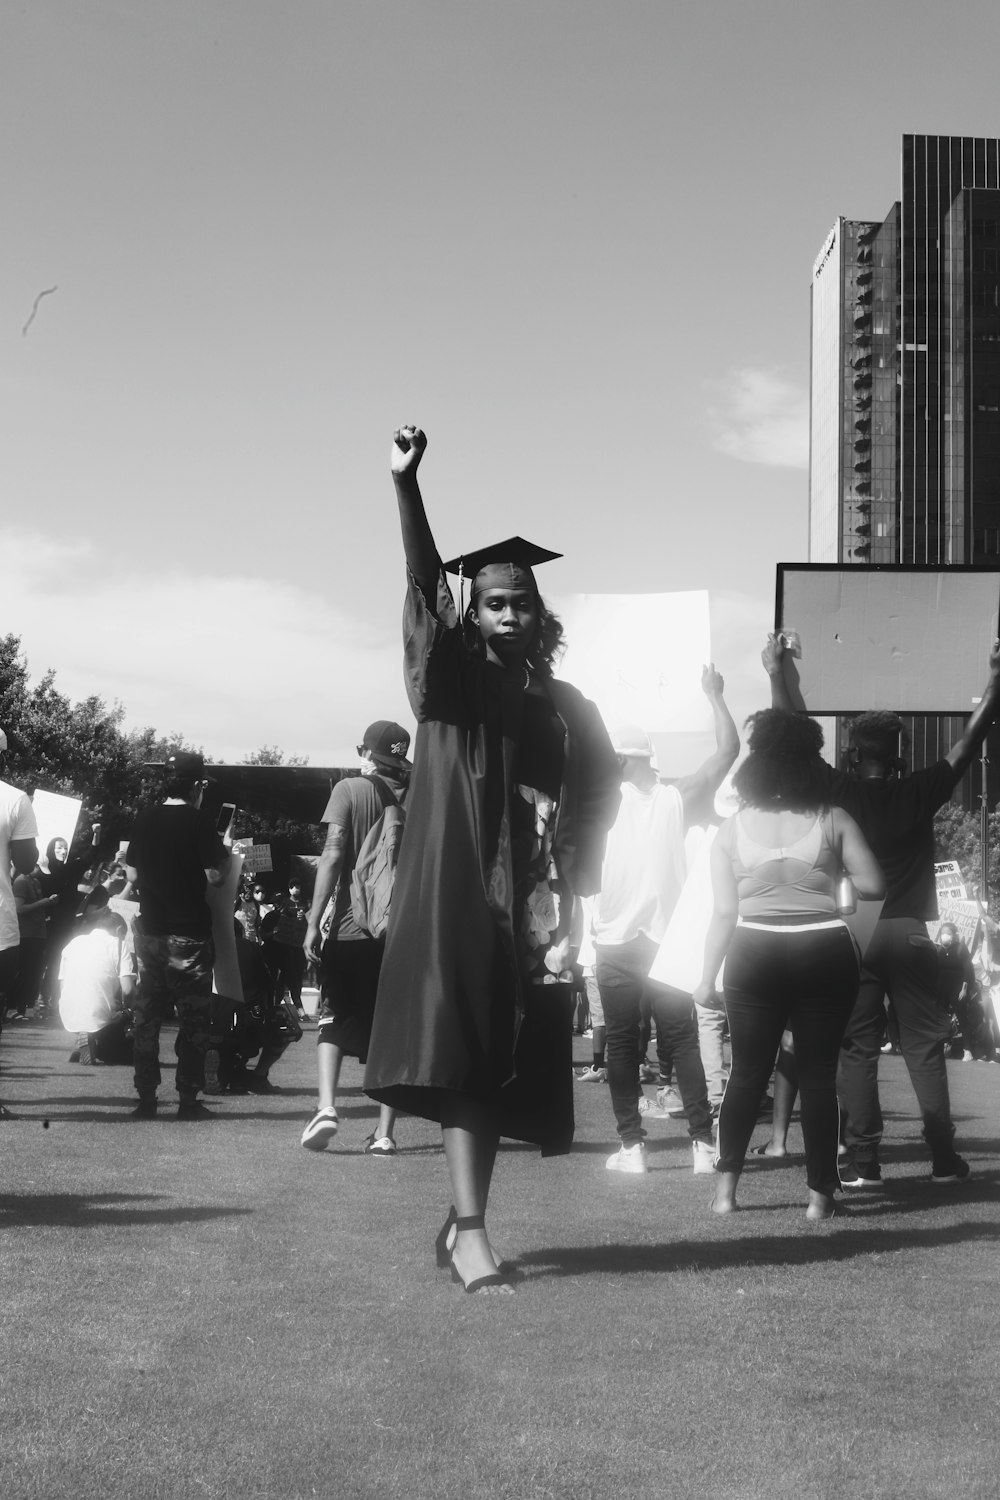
(172,846)
(897,819)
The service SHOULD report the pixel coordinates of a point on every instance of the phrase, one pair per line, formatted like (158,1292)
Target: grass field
(208,1310)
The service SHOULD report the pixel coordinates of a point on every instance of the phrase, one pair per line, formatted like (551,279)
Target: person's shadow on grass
(736,1252)
(91,1210)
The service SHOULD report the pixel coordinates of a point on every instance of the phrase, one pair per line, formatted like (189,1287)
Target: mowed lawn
(206,1309)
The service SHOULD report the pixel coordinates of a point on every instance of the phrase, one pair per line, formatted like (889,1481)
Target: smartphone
(227,813)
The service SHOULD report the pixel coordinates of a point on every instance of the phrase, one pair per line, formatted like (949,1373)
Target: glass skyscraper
(905,380)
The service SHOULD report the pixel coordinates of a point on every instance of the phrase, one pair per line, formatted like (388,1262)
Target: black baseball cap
(388,743)
(185,765)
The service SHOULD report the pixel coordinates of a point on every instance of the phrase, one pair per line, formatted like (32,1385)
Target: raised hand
(712,682)
(408,444)
(772,654)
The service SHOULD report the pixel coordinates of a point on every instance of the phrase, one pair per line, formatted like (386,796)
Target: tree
(270,755)
(957,836)
(287,836)
(78,749)
(81,750)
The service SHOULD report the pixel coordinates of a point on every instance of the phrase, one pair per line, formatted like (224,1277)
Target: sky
(571,240)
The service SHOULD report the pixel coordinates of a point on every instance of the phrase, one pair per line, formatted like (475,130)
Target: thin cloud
(232,663)
(759,417)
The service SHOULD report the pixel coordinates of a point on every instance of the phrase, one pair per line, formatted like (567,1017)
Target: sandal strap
(472,1221)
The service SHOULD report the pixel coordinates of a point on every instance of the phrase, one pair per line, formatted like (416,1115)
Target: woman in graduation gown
(514,787)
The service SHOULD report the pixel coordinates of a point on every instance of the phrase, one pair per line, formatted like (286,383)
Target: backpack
(374,871)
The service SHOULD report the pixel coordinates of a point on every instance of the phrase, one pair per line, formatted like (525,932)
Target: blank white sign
(916,640)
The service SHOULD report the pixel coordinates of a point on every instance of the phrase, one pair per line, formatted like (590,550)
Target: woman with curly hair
(514,787)
(791,961)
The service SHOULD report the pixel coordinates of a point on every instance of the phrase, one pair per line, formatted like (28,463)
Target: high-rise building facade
(905,380)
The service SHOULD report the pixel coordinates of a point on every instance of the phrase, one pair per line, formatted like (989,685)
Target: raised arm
(698,789)
(959,757)
(408,446)
(773,659)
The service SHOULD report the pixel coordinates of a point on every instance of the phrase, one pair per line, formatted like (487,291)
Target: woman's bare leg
(470,1146)
(786,1088)
(724,1201)
(821,1206)
(328,1061)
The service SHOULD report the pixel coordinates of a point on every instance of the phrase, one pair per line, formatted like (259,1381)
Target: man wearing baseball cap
(351,958)
(18,847)
(174,855)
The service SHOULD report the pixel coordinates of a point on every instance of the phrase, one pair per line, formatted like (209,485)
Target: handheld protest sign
(913,640)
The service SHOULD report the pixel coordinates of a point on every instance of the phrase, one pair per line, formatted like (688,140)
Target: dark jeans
(805,981)
(621,978)
(9,960)
(677,1050)
(28,983)
(291,970)
(901,962)
(175,976)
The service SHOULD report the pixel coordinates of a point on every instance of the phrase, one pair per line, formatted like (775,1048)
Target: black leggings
(806,981)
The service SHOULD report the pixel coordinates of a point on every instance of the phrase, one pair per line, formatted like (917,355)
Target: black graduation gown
(452,1015)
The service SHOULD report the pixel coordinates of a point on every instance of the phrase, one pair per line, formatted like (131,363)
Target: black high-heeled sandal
(474,1221)
(445,1243)
(442,1250)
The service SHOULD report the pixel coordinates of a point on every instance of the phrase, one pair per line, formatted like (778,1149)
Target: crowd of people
(524,862)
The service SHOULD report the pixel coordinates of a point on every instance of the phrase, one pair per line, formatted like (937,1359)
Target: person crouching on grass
(96,975)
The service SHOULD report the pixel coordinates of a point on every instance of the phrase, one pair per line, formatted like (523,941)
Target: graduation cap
(509,564)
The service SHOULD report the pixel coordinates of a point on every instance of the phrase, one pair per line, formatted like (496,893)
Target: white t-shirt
(92,965)
(682,953)
(644,866)
(17,821)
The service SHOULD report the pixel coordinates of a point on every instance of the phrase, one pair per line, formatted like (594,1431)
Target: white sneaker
(628,1159)
(321,1130)
(651,1108)
(704,1157)
(670,1102)
(593,1075)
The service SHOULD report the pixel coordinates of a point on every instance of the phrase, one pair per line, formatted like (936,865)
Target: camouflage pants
(175,977)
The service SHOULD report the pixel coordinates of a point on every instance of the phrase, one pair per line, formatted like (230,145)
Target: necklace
(527,678)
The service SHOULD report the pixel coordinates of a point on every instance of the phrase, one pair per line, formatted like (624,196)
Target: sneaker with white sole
(704,1157)
(670,1102)
(592,1075)
(651,1109)
(628,1159)
(382,1145)
(865,1174)
(321,1129)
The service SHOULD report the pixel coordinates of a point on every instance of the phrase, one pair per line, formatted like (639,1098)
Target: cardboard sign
(221,900)
(57,817)
(950,881)
(913,640)
(964,915)
(130,911)
(639,657)
(256,857)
